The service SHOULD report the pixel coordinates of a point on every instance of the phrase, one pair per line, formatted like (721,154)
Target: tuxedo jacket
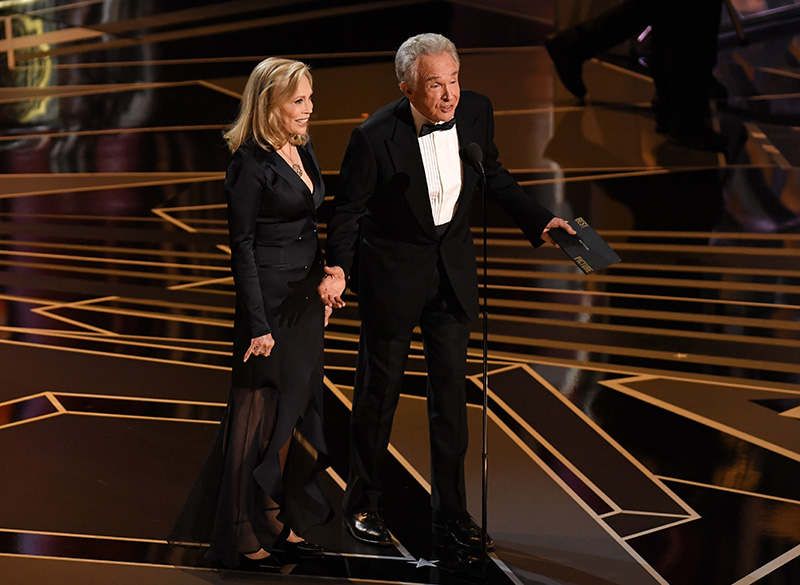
(381,230)
(272,223)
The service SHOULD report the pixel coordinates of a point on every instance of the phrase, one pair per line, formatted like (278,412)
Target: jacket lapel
(310,164)
(404,151)
(405,154)
(467,133)
(286,172)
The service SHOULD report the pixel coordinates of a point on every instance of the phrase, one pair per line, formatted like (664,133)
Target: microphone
(473,155)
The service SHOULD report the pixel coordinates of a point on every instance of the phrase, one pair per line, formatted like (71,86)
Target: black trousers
(382,360)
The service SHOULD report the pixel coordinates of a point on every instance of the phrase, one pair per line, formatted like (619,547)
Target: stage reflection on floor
(642,419)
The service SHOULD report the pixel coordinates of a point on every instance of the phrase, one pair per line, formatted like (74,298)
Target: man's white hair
(405,61)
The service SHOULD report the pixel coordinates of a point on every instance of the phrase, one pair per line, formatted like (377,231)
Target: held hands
(556,222)
(332,287)
(260,346)
(328,312)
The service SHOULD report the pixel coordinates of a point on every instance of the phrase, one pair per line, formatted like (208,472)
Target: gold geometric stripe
(601,293)
(734,270)
(21,185)
(792,412)
(645,314)
(113,249)
(134,313)
(663,234)
(148,345)
(683,248)
(113,261)
(597,177)
(117,339)
(626,386)
(109,272)
(699,249)
(172,304)
(650,281)
(204,283)
(75,217)
(29,420)
(730,490)
(74,535)
(771,566)
(113,355)
(164,213)
(733,362)
(19,94)
(659,528)
(110,131)
(646,329)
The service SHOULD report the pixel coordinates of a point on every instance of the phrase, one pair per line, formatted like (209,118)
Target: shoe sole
(444,533)
(352,532)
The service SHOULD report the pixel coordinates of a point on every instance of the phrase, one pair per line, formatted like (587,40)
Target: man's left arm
(533,219)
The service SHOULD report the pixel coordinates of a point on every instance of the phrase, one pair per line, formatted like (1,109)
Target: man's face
(436,91)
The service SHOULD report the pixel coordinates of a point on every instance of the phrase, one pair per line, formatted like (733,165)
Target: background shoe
(463,531)
(568,67)
(368,527)
(662,116)
(700,137)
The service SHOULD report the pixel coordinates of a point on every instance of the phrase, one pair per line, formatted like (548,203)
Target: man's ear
(404,87)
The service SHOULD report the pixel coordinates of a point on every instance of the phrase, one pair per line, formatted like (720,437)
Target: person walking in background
(684,53)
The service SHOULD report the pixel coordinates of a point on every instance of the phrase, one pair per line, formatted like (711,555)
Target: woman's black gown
(241,500)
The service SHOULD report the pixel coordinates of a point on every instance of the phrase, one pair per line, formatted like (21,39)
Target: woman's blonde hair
(271,84)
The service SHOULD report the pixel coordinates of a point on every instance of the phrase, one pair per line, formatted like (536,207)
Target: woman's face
(295,111)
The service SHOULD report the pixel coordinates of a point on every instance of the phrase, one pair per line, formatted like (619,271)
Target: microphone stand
(485,423)
(473,155)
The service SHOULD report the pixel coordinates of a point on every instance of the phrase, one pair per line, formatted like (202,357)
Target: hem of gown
(197,525)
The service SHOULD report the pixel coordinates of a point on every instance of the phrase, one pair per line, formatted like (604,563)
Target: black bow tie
(428,128)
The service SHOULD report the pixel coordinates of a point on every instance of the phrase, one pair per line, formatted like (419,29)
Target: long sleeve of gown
(244,187)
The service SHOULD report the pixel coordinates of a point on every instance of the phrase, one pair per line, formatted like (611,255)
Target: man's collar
(419,119)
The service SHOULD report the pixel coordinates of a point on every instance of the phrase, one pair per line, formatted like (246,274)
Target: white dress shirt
(443,171)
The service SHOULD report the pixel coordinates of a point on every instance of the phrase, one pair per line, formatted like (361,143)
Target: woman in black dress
(259,490)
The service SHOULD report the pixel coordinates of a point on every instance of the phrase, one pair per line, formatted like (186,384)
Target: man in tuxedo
(399,234)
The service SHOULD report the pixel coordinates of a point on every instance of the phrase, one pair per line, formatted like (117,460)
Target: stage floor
(643,420)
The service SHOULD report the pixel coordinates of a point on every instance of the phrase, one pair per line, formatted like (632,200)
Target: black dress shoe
(451,556)
(300,550)
(295,550)
(368,527)
(463,531)
(268,564)
(663,117)
(700,137)
(568,66)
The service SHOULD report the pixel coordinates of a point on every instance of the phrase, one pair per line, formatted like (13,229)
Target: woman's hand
(328,312)
(260,346)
